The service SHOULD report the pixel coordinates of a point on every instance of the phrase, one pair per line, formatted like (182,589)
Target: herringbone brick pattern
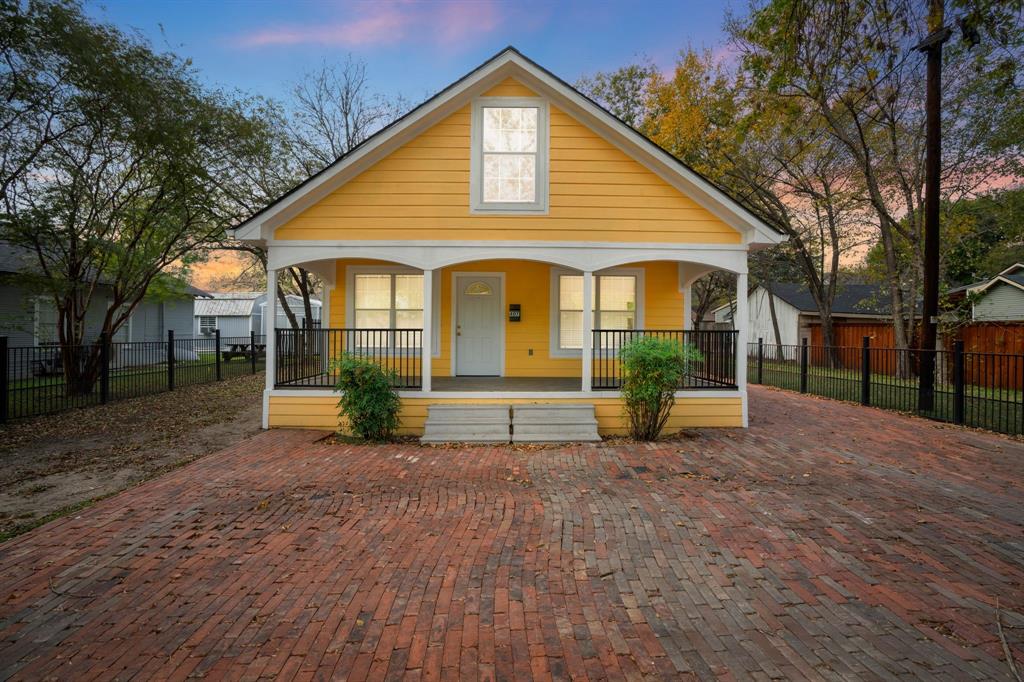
(828,541)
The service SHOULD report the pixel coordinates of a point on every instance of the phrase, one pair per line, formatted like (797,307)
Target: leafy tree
(754,144)
(854,65)
(623,91)
(134,184)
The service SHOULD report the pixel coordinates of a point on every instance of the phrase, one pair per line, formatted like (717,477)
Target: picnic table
(241,350)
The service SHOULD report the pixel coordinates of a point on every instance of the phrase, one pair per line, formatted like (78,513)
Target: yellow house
(494,247)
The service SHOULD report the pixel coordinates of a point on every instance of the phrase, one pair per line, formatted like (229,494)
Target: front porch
(506,331)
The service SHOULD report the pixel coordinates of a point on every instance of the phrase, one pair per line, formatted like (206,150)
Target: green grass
(1000,410)
(47,395)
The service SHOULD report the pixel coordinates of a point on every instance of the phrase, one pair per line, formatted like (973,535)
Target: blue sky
(411,48)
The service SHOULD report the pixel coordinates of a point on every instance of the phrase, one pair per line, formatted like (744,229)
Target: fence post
(865,371)
(170,359)
(3,380)
(803,365)
(216,350)
(104,367)
(760,359)
(252,350)
(958,382)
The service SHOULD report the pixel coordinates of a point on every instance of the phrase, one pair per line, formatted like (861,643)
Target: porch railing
(304,357)
(715,368)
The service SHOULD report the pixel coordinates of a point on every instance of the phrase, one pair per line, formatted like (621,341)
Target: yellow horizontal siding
(421,191)
(528,283)
(321,412)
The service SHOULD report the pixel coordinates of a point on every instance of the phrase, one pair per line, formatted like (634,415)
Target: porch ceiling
(581,256)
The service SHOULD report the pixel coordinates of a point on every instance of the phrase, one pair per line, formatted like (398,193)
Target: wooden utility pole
(932,47)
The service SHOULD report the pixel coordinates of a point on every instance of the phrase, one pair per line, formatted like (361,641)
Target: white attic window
(509,165)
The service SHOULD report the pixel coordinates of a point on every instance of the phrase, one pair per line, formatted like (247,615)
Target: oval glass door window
(479,289)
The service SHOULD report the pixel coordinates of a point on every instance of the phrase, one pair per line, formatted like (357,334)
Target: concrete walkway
(828,541)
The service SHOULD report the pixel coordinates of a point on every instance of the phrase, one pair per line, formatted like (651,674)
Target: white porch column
(269,323)
(588,333)
(427,347)
(687,307)
(741,322)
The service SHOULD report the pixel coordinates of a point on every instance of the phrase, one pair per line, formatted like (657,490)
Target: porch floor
(514,384)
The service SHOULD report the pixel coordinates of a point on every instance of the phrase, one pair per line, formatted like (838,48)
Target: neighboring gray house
(797,313)
(1000,299)
(238,313)
(28,318)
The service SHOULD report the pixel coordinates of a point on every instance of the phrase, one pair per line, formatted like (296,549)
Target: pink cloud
(445,24)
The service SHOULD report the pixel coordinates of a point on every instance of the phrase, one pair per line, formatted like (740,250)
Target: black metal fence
(984,390)
(715,368)
(37,380)
(304,357)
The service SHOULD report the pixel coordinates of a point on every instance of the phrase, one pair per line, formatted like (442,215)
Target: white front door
(478,326)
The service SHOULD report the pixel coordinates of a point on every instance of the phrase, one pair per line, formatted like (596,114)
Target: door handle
(458,330)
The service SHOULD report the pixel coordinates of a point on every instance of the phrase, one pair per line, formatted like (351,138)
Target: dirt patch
(57,464)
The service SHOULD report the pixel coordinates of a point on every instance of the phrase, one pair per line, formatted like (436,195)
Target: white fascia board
(261,226)
(510,64)
(647,153)
(998,279)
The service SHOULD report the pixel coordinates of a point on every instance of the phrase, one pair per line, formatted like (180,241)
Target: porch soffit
(581,256)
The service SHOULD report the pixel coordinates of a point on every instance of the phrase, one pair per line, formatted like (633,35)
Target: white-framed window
(388,299)
(617,302)
(207,324)
(509,162)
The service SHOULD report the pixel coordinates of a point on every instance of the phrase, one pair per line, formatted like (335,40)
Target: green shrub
(368,398)
(652,369)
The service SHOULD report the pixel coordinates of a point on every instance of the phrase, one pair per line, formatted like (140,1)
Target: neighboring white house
(1000,299)
(797,312)
(239,313)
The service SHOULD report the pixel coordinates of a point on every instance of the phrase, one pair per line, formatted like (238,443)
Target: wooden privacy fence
(995,344)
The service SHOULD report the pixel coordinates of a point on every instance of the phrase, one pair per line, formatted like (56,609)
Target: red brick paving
(828,541)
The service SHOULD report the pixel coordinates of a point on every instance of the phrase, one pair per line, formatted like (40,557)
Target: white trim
(741,324)
(266,406)
(543,155)
(997,279)
(427,338)
(455,316)
(446,254)
(483,395)
(510,63)
(586,328)
(554,341)
(269,320)
(350,295)
(535,243)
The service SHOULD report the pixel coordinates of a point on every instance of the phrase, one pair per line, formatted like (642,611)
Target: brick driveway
(827,541)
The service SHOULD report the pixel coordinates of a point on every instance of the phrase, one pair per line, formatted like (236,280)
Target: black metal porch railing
(304,357)
(715,368)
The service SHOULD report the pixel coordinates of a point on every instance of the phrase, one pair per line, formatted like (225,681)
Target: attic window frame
(541,173)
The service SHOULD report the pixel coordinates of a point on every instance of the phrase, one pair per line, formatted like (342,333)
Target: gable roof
(1012,276)
(851,299)
(239,303)
(510,62)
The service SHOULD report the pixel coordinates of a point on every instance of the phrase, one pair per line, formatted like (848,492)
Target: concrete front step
(467,424)
(554,424)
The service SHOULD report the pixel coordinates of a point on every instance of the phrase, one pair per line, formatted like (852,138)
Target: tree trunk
(779,351)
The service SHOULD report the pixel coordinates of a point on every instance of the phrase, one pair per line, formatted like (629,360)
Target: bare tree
(854,63)
(335,110)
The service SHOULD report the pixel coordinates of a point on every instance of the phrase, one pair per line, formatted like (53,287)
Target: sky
(411,49)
